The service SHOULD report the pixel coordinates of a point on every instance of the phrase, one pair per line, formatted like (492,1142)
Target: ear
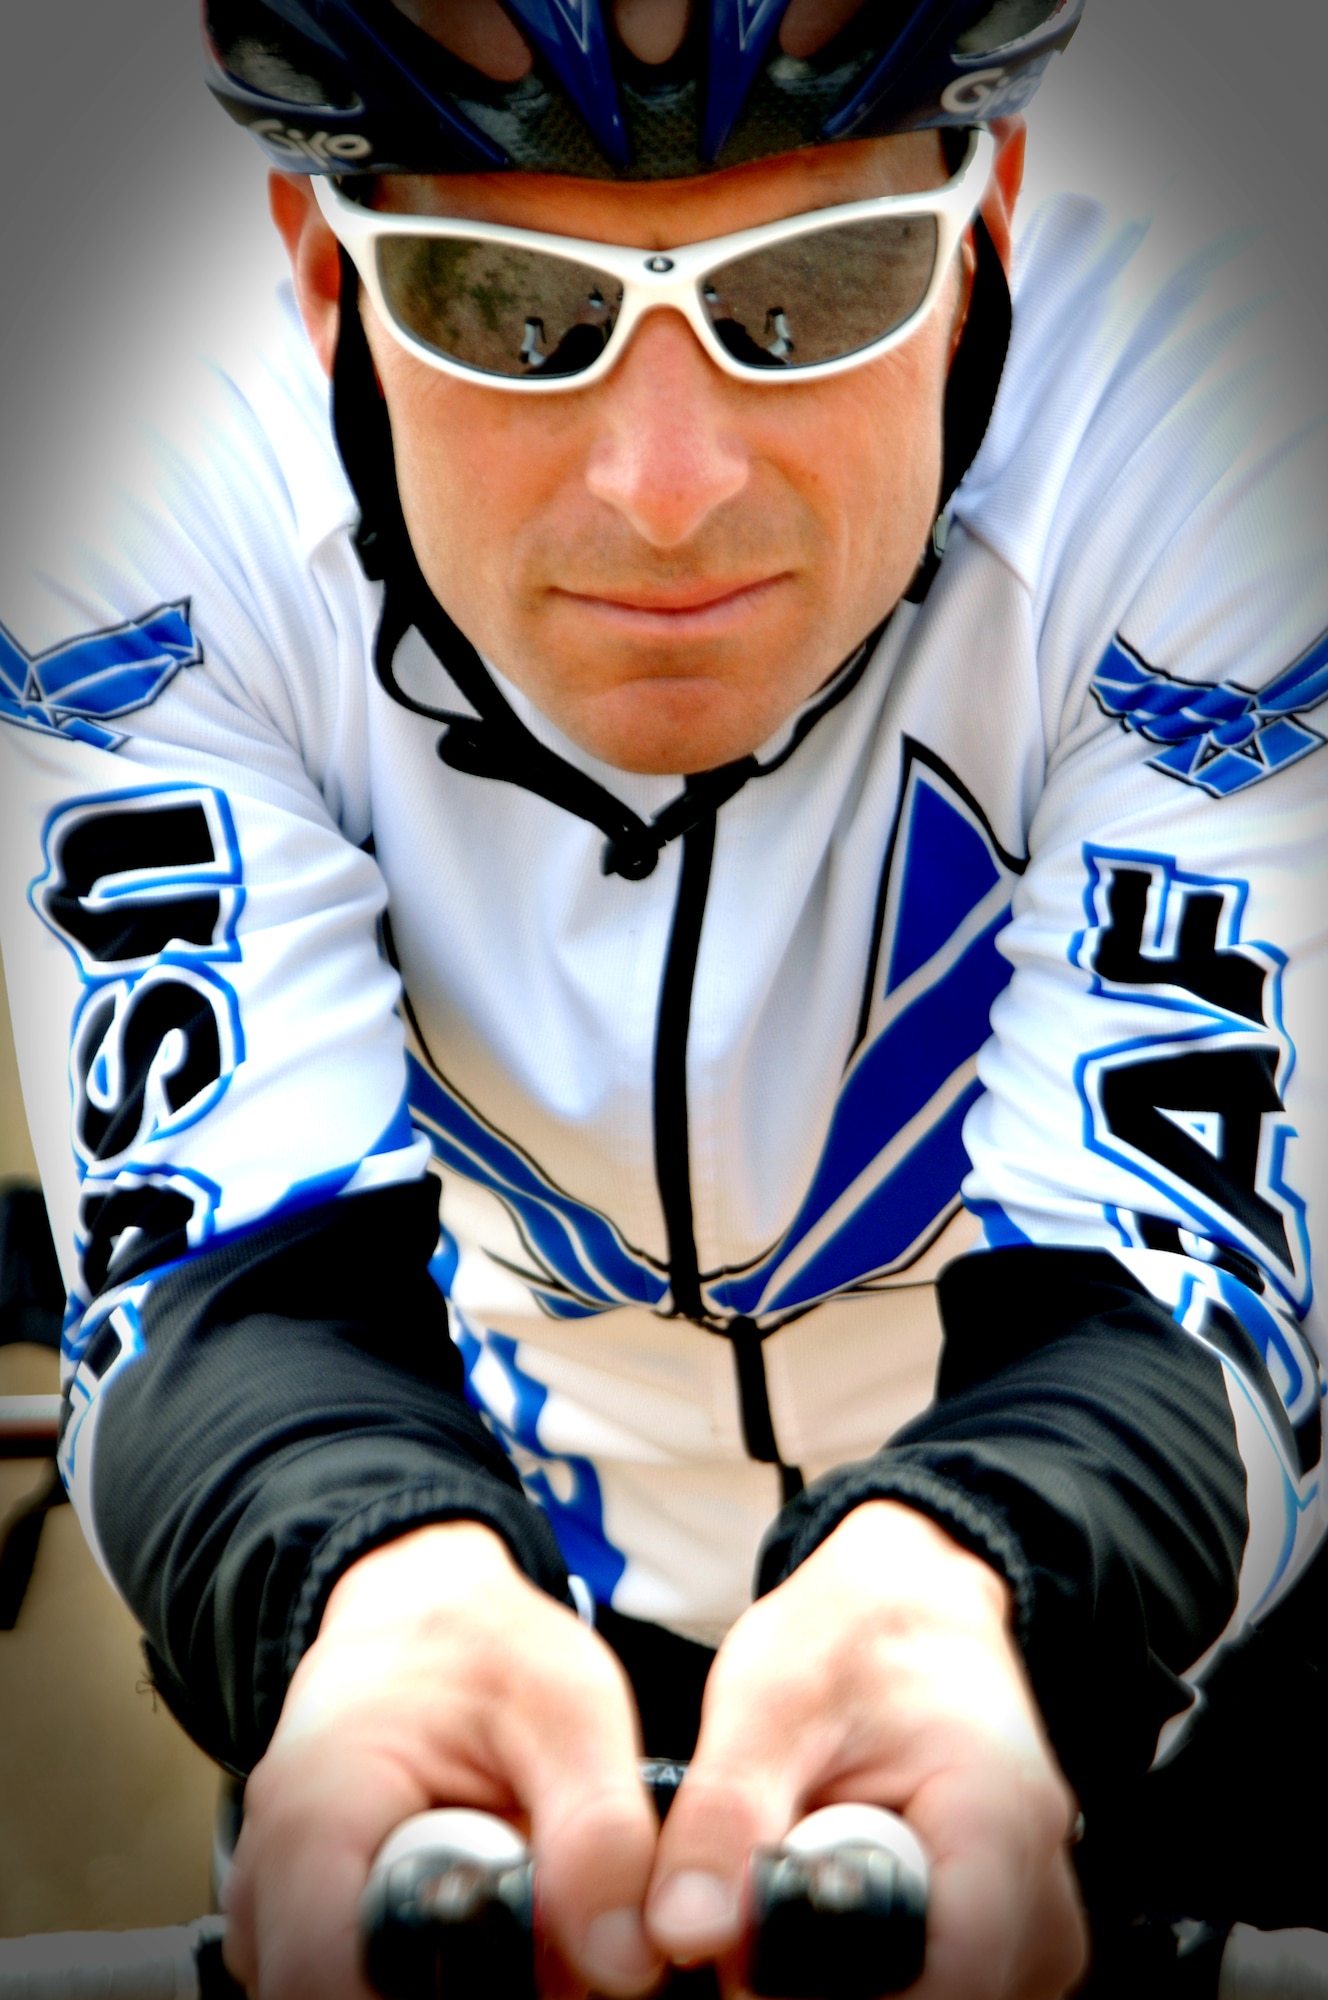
(1007,178)
(315,260)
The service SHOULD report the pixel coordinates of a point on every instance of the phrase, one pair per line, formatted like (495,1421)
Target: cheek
(438,451)
(474,467)
(877,445)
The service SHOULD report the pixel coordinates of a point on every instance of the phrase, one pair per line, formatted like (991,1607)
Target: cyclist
(962,983)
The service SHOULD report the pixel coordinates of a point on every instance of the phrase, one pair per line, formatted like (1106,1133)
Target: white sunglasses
(803,298)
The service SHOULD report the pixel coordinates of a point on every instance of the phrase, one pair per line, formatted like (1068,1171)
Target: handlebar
(29,1426)
(183,1963)
(837,1912)
(450,1912)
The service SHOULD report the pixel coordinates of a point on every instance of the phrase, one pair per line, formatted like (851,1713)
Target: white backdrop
(134,228)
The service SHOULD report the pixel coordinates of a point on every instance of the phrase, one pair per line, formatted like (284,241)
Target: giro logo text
(325,149)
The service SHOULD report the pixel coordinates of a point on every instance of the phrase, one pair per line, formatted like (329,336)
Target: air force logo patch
(1216,735)
(79,688)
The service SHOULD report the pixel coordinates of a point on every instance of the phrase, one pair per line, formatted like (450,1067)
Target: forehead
(669,213)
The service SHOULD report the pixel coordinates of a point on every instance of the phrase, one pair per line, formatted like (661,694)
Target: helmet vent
(266,71)
(652,30)
(480,33)
(275,60)
(811,25)
(1004,25)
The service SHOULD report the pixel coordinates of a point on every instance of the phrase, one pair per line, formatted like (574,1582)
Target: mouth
(704,609)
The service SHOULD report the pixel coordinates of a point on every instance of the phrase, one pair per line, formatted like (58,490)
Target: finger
(971,1929)
(738,1794)
(305,1929)
(1057,1933)
(1004,1920)
(596,1856)
(979,1948)
(237,1906)
(762,1744)
(593,1829)
(695,1906)
(299,1871)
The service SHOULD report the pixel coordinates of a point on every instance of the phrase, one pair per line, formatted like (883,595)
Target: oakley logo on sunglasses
(326,149)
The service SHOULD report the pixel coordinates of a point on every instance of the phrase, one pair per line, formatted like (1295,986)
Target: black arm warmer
(1083,1444)
(299,1402)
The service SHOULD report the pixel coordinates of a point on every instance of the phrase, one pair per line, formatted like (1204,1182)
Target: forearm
(296,1404)
(1084,1445)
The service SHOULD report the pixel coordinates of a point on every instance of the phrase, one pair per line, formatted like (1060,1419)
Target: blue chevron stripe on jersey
(893,1162)
(77,688)
(582,1265)
(949,866)
(893,1159)
(1217,735)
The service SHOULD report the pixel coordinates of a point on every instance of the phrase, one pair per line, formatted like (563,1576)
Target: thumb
(594,1833)
(738,1794)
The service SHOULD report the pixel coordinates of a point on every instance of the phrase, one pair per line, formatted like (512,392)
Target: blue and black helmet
(624,89)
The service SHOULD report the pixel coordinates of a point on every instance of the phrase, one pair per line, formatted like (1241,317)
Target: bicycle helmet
(631,89)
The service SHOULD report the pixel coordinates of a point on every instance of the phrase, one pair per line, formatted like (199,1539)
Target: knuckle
(263,1791)
(1062,1966)
(1051,1810)
(715,1816)
(607,1825)
(1071,1965)
(238,1954)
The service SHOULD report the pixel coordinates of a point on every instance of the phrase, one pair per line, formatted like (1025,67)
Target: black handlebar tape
(847,1925)
(450,1910)
(838,1912)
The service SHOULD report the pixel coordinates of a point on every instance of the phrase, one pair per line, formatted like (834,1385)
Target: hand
(883,1671)
(441,1676)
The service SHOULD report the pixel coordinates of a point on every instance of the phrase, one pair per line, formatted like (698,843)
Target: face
(671,561)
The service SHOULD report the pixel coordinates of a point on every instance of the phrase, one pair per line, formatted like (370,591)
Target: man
(698,1059)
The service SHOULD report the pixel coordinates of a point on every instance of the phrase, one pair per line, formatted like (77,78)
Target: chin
(675,754)
(660,728)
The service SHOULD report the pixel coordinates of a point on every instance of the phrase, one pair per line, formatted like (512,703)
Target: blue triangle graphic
(948,869)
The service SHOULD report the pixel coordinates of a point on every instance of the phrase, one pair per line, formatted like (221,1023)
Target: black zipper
(673,1167)
(758,1426)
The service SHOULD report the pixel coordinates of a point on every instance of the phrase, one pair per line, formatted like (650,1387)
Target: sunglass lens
(496,308)
(822,296)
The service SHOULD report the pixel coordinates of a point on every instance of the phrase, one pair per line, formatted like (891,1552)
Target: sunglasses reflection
(579,347)
(773,351)
(585,340)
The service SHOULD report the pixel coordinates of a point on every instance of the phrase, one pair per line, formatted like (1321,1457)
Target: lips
(692,601)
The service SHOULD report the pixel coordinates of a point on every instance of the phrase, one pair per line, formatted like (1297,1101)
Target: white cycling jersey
(1016,935)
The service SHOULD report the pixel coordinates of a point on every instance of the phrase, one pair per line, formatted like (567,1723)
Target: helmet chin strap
(970,391)
(979,362)
(493,742)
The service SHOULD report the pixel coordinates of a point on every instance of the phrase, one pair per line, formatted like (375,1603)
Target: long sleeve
(293,1402)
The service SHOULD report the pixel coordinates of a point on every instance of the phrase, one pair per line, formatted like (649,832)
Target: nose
(669,449)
